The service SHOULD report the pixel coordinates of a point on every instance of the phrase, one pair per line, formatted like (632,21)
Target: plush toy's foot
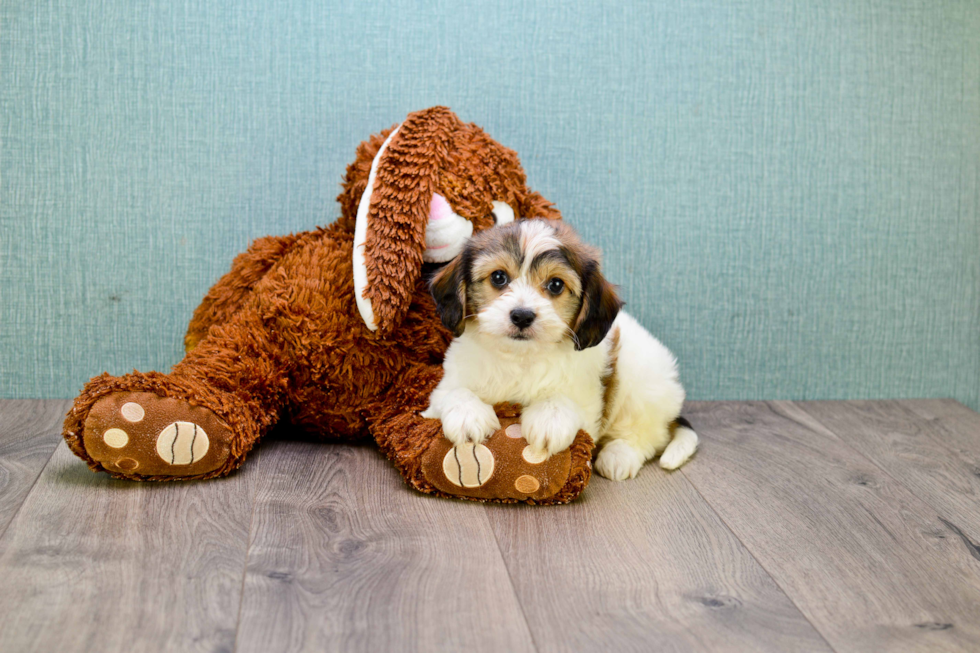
(144,436)
(505,468)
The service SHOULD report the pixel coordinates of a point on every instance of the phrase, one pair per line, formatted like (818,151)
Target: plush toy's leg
(199,421)
(501,469)
(233,290)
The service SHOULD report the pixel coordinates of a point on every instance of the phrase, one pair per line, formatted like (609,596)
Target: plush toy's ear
(600,306)
(533,205)
(389,233)
(449,292)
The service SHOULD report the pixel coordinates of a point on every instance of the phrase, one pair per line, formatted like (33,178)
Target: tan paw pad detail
(468,465)
(526,484)
(132,411)
(534,456)
(116,438)
(513,431)
(182,443)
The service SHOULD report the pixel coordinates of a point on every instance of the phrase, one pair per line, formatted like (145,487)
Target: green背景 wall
(787,191)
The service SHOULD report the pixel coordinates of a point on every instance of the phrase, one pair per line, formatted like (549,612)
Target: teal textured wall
(788,191)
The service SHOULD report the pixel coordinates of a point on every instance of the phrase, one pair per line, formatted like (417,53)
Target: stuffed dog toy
(333,331)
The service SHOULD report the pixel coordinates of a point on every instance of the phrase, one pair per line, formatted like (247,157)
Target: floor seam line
(759,562)
(510,579)
(248,552)
(6,527)
(940,419)
(928,504)
(761,566)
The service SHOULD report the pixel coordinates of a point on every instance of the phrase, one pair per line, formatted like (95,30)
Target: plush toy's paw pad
(143,434)
(182,443)
(618,461)
(504,467)
(468,465)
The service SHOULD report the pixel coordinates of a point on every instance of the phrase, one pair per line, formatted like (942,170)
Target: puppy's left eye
(499,278)
(555,286)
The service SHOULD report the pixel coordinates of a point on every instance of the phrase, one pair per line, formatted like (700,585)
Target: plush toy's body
(334,332)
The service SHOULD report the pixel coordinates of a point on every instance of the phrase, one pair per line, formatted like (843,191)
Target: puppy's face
(531,281)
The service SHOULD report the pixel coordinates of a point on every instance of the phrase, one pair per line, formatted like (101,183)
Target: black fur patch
(600,306)
(551,255)
(448,290)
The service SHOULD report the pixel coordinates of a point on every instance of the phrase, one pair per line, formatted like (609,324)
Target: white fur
(681,447)
(465,418)
(561,389)
(537,237)
(647,399)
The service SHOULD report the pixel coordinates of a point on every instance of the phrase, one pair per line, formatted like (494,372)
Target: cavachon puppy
(537,324)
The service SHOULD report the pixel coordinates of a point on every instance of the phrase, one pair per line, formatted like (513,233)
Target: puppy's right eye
(499,278)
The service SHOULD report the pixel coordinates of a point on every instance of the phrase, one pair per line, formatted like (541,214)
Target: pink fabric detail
(439,208)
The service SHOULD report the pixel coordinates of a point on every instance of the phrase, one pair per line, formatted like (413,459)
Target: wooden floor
(848,526)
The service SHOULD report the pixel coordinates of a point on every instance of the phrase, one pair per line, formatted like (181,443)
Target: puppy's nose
(522,317)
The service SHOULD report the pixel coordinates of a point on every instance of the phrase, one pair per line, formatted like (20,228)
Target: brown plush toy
(333,331)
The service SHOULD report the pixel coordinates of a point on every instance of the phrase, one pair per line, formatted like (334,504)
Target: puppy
(537,324)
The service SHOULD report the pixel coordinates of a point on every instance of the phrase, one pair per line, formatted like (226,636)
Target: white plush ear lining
(502,212)
(360,237)
(446,232)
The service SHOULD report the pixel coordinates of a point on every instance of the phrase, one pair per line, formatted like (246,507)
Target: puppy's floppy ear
(600,306)
(448,289)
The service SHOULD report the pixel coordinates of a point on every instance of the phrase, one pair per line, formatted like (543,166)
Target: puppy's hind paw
(680,449)
(618,461)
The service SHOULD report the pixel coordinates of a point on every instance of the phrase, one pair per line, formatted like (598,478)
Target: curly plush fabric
(279,338)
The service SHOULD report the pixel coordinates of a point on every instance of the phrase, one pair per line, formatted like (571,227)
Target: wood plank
(918,453)
(29,432)
(955,424)
(90,563)
(345,557)
(871,565)
(643,565)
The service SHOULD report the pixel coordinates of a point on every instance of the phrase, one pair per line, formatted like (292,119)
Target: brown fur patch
(610,380)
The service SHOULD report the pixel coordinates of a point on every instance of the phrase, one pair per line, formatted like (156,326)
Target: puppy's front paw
(470,421)
(618,461)
(551,425)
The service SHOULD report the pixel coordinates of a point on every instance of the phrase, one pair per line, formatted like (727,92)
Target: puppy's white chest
(540,376)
